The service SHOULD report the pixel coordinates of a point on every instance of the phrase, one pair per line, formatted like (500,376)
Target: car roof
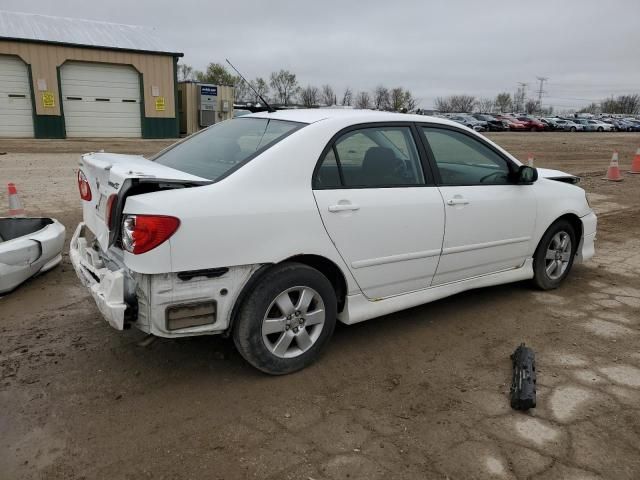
(312,115)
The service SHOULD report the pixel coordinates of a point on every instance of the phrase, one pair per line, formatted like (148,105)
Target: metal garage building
(64,77)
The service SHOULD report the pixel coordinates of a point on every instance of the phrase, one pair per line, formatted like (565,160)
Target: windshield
(216,151)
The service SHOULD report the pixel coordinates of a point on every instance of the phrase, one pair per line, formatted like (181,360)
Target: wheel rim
(293,322)
(558,255)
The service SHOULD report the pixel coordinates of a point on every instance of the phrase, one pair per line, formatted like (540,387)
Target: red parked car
(532,124)
(514,124)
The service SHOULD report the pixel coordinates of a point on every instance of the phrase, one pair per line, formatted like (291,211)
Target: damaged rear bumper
(106,286)
(173,304)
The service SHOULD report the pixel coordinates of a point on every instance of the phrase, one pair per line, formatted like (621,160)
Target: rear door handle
(458,201)
(343,207)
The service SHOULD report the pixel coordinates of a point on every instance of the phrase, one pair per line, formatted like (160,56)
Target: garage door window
(371,158)
(463,160)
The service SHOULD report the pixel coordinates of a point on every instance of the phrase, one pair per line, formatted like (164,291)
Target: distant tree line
(282,87)
(622,104)
(503,102)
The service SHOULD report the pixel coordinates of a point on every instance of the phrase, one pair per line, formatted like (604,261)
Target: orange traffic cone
(15,205)
(635,166)
(613,174)
(530,160)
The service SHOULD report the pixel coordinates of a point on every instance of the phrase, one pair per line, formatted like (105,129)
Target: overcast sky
(588,49)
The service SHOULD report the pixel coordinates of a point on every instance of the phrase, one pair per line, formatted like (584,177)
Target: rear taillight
(110,214)
(83,186)
(141,233)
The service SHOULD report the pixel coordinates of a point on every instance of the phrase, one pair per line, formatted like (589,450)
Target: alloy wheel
(558,255)
(293,322)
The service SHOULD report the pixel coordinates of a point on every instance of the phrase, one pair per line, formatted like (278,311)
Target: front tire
(554,256)
(287,320)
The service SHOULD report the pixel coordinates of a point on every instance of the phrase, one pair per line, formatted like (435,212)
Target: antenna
(270,109)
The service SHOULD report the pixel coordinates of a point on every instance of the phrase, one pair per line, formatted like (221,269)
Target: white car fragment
(28,246)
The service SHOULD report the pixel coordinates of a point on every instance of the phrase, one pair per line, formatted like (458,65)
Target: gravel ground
(419,394)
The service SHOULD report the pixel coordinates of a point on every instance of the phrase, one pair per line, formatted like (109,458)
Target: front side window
(371,158)
(216,151)
(463,160)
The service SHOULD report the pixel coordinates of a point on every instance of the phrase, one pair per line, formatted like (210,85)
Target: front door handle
(343,207)
(458,201)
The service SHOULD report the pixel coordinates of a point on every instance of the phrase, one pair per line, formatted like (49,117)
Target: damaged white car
(271,227)
(28,247)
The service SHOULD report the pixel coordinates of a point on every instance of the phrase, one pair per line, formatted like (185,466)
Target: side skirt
(358,308)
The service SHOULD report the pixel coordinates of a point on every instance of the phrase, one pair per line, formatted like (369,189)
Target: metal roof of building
(80,32)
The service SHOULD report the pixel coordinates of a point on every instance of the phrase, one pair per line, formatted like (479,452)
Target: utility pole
(521,94)
(540,90)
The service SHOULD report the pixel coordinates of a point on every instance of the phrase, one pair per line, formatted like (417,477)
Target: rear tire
(287,320)
(572,129)
(554,256)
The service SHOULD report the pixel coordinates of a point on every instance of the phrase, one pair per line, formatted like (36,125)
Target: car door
(380,207)
(490,220)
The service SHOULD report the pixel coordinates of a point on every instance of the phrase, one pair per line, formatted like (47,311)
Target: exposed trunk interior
(11,228)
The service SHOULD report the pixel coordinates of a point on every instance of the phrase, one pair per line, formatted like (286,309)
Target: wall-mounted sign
(155,91)
(48,100)
(42,84)
(159,104)
(209,90)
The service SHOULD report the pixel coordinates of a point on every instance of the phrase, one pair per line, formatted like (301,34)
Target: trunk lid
(123,175)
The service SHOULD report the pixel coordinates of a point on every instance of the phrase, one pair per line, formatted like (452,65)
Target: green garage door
(100,100)
(16,114)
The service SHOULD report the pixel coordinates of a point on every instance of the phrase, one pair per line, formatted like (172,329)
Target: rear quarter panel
(265,212)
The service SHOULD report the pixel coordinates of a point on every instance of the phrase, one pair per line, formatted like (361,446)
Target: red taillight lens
(141,233)
(83,186)
(109,214)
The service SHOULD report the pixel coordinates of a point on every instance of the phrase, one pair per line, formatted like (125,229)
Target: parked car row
(482,122)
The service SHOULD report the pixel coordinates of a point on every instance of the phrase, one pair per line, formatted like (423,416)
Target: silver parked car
(569,125)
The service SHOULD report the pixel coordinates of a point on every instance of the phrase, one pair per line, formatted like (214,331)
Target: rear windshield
(222,148)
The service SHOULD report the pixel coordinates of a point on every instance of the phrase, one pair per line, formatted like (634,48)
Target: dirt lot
(418,394)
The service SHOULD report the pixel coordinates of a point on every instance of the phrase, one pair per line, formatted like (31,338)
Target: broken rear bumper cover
(167,304)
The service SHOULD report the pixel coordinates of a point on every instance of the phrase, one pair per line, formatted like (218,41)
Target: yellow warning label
(160,104)
(48,100)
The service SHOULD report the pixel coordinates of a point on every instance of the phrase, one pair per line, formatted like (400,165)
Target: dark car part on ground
(523,384)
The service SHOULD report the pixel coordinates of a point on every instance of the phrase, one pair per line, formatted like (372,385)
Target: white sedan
(271,227)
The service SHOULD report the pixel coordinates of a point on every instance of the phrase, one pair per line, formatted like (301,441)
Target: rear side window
(217,151)
(373,157)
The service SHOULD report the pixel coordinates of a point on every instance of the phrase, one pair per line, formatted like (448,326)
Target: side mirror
(526,175)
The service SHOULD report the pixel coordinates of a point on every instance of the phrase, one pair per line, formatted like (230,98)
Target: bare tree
(484,105)
(241,91)
(328,96)
(410,102)
(503,102)
(455,103)
(309,96)
(629,104)
(363,100)
(519,99)
(443,104)
(285,85)
(185,72)
(381,98)
(396,99)
(347,97)
(259,85)
(531,106)
(610,105)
